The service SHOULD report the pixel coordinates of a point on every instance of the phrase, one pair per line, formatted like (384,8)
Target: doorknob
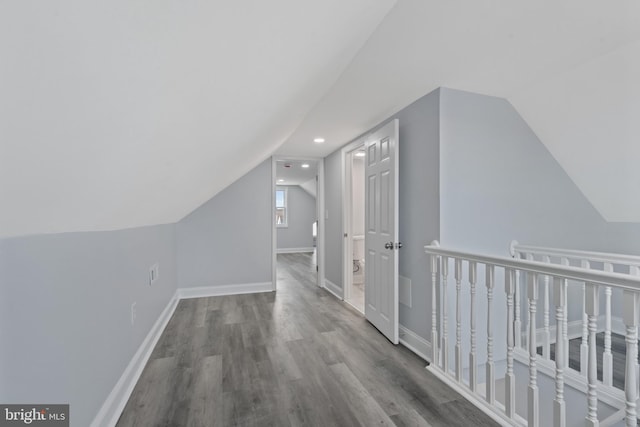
(398,245)
(388,245)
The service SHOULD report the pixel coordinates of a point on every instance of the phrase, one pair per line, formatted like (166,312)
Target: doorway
(379,150)
(354,226)
(298,203)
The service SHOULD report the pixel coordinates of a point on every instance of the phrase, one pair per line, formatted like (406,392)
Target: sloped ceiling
(128,113)
(572,68)
(589,118)
(116,114)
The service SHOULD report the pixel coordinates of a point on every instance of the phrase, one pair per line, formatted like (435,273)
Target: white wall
(65,312)
(357,196)
(301,214)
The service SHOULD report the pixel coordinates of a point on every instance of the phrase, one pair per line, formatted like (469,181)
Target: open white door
(381,230)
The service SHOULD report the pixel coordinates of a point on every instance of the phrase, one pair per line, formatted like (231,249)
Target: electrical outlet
(154,272)
(133,313)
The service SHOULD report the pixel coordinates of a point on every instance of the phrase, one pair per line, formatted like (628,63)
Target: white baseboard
(333,288)
(294,250)
(214,291)
(111,409)
(415,343)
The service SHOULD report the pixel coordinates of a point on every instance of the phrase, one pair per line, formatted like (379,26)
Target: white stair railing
(543,280)
(608,262)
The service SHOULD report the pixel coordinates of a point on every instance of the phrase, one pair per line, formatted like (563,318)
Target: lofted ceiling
(117,114)
(572,69)
(129,113)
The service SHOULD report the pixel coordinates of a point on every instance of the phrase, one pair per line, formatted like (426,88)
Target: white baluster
(560,301)
(517,323)
(546,338)
(434,308)
(584,346)
(630,314)
(607,357)
(445,320)
(473,273)
(635,271)
(565,334)
(592,307)
(510,379)
(528,324)
(458,351)
(489,380)
(533,406)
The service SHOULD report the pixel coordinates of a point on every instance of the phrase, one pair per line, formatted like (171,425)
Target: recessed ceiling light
(318,140)
(304,165)
(281,180)
(359,153)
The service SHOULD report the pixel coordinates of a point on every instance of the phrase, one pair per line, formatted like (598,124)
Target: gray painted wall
(227,240)
(333,223)
(499,182)
(65,312)
(301,214)
(622,237)
(419,204)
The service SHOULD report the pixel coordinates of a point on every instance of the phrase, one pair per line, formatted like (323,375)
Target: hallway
(296,357)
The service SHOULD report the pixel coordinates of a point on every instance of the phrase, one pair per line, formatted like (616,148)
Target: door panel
(381,266)
(386,228)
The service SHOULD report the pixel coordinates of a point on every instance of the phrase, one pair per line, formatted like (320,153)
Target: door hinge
(316,268)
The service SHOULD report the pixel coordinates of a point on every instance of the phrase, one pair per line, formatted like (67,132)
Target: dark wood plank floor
(298,357)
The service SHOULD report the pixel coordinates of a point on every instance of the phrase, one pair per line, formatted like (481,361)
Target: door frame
(347,233)
(320,203)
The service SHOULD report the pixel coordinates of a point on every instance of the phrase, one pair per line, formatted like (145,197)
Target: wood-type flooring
(295,357)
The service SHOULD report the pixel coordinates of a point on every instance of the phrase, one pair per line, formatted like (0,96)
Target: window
(281,207)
